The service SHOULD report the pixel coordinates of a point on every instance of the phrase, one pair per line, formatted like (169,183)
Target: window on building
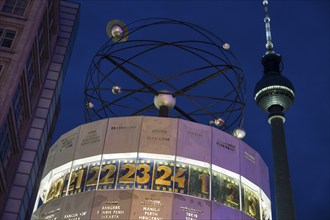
(1,69)
(16,7)
(30,73)
(41,40)
(51,14)
(18,107)
(6,37)
(5,149)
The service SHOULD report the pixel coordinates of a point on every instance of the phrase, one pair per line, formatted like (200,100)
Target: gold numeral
(162,179)
(145,176)
(234,191)
(75,181)
(180,177)
(93,179)
(55,189)
(252,206)
(110,169)
(129,176)
(205,179)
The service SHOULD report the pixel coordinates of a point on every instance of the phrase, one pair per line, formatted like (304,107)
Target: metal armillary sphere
(171,61)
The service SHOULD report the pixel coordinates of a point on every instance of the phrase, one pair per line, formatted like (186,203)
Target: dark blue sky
(300,31)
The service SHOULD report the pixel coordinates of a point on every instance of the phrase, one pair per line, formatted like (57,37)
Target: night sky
(300,31)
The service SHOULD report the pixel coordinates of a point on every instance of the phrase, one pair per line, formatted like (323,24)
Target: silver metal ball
(226,46)
(219,122)
(89,105)
(239,133)
(117,31)
(116,90)
(164,99)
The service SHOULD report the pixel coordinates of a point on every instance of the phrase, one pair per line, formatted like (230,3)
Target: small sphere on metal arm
(219,122)
(239,133)
(117,31)
(226,46)
(116,90)
(89,105)
(164,98)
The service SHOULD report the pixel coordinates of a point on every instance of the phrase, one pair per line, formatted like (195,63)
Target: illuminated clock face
(174,174)
(146,173)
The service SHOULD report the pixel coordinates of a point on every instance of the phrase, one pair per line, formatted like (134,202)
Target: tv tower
(274,94)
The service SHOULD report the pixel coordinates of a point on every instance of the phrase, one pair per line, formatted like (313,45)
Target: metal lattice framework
(168,56)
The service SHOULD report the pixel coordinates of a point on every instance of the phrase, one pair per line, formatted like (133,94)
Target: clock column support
(163,111)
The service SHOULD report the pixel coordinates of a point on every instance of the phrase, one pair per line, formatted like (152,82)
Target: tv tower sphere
(148,56)
(274,88)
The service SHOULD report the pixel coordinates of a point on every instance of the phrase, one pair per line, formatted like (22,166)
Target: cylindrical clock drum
(152,168)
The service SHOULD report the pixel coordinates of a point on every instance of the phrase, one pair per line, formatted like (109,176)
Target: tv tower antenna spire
(269,44)
(274,94)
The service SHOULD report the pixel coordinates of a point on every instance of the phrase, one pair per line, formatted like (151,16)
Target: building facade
(36,39)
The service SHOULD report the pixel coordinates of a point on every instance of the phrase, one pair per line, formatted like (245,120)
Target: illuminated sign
(152,172)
